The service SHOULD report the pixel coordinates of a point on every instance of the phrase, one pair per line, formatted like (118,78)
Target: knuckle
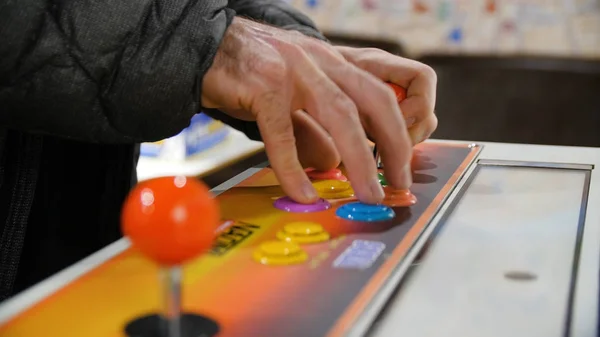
(293,50)
(344,106)
(428,72)
(369,56)
(430,125)
(272,70)
(322,48)
(376,52)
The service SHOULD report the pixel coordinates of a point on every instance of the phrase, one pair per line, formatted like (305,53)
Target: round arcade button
(303,232)
(334,174)
(279,253)
(358,211)
(289,205)
(334,189)
(398,198)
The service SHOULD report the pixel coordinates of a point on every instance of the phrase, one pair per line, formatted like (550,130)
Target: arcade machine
(491,240)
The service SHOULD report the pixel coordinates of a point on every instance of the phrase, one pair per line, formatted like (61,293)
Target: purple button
(289,205)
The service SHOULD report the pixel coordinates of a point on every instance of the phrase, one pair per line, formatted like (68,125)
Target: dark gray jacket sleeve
(277,13)
(106,71)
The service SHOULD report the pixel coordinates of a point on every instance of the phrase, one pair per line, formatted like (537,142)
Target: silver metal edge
(577,251)
(511,163)
(32,296)
(584,308)
(364,322)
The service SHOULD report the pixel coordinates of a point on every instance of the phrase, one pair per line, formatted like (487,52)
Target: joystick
(171,220)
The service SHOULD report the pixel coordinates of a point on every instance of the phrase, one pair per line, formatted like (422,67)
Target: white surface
(510,219)
(235,147)
(586,296)
(585,308)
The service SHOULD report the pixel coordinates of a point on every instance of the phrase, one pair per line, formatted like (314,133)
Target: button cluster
(287,250)
(330,185)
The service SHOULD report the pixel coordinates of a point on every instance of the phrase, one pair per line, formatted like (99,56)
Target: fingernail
(309,191)
(410,121)
(376,188)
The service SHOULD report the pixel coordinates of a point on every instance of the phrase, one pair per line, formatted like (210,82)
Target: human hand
(273,73)
(419,80)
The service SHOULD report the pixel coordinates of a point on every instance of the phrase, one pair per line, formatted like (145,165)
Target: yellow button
(303,232)
(280,253)
(303,228)
(278,248)
(333,189)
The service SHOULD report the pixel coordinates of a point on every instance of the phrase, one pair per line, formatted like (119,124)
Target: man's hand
(419,80)
(273,73)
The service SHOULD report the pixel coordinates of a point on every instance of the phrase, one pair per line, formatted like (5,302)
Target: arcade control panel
(274,268)
(478,247)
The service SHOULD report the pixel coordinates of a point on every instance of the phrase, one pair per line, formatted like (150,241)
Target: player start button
(280,253)
(303,232)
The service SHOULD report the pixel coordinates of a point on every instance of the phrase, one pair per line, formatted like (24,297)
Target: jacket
(81,84)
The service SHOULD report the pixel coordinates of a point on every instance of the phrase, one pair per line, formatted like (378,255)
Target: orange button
(398,198)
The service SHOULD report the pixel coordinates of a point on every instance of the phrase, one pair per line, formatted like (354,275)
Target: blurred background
(518,71)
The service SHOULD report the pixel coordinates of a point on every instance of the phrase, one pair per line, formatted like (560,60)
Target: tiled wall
(542,27)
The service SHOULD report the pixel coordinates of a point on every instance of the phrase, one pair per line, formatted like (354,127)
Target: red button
(335,174)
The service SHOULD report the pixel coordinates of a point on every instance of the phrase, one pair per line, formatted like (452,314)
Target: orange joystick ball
(171,219)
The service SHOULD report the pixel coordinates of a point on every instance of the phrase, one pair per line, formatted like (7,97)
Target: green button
(382,180)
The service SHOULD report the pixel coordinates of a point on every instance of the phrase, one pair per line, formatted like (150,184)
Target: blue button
(358,211)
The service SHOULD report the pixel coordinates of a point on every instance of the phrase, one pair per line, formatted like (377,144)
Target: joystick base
(156,326)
